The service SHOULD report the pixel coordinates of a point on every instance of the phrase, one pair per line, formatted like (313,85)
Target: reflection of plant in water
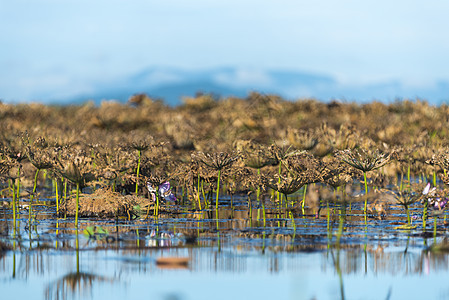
(73,284)
(95,232)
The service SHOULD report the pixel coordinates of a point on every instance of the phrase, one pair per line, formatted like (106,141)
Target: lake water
(231,257)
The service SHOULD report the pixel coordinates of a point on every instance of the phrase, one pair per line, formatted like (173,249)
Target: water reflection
(73,285)
(341,252)
(93,268)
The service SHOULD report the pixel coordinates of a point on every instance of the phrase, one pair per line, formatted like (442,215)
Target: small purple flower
(435,203)
(438,203)
(164,191)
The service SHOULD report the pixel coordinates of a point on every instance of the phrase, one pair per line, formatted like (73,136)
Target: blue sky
(61,48)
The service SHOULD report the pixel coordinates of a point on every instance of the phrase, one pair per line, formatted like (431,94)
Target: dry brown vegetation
(270,143)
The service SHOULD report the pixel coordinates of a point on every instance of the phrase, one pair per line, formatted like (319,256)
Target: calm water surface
(234,258)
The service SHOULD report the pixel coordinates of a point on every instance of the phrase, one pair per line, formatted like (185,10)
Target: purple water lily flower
(164,191)
(435,203)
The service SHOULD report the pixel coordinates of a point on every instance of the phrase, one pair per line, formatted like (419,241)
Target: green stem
(264,216)
(293,223)
(18,184)
(304,198)
(57,197)
(279,180)
(280,208)
(156,210)
(408,215)
(77,248)
(258,187)
(13,204)
(206,200)
(340,230)
(366,192)
(218,189)
(139,152)
(424,216)
(65,198)
(77,204)
(31,197)
(199,200)
(198,191)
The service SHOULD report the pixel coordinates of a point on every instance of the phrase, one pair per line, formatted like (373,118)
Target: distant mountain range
(171,84)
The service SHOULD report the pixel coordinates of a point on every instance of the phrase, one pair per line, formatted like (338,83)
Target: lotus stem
(77,248)
(264,216)
(57,197)
(424,216)
(18,184)
(366,192)
(218,189)
(31,197)
(13,204)
(198,191)
(340,230)
(279,179)
(258,187)
(65,198)
(206,200)
(156,210)
(304,198)
(250,208)
(199,200)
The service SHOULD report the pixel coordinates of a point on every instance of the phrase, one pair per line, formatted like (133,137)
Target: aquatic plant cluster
(142,158)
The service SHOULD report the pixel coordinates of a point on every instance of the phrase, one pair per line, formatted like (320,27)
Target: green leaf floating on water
(89,231)
(92,231)
(406,227)
(101,230)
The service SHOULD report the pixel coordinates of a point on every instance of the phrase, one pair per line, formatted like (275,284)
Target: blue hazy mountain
(171,84)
